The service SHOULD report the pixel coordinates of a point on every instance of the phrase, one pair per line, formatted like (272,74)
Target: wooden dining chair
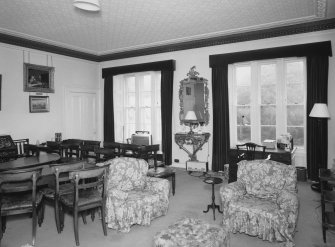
(87,149)
(20,147)
(72,147)
(247,151)
(61,186)
(19,195)
(88,195)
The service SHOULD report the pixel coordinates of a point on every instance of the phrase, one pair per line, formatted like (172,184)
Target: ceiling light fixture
(88,5)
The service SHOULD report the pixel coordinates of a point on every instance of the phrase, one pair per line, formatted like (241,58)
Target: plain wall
(15,118)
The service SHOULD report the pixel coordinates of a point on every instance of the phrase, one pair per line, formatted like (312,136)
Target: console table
(279,155)
(197,140)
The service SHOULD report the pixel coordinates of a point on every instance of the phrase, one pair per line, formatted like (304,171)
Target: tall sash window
(137,105)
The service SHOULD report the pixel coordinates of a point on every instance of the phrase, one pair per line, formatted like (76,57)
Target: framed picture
(38,78)
(39,104)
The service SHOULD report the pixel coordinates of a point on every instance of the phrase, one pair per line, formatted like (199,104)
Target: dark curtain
(317,128)
(167,69)
(221,139)
(108,109)
(166,111)
(219,65)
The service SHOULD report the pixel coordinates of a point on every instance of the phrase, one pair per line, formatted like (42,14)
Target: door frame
(67,92)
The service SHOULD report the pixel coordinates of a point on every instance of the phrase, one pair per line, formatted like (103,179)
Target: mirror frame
(193,78)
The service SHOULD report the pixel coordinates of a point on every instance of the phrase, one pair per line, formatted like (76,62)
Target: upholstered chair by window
(263,202)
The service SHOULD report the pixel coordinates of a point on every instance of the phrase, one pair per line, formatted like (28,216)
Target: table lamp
(191,120)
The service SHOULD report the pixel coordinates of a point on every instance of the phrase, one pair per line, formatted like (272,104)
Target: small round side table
(213,181)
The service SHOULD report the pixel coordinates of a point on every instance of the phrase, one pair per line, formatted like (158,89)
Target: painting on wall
(39,104)
(38,78)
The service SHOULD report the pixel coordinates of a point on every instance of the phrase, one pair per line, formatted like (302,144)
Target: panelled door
(81,111)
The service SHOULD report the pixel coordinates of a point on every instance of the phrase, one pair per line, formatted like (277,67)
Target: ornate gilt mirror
(193,96)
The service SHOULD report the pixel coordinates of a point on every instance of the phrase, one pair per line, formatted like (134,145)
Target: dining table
(41,160)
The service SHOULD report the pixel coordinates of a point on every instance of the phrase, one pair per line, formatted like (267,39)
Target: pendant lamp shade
(88,5)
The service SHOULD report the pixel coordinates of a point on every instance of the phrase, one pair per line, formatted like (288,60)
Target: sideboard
(279,155)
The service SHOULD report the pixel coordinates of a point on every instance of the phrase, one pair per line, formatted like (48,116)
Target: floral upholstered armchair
(263,201)
(132,197)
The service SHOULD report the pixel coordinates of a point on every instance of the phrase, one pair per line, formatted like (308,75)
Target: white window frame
(281,99)
(120,105)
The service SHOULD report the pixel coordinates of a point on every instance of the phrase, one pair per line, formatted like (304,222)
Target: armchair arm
(232,191)
(158,185)
(288,205)
(115,194)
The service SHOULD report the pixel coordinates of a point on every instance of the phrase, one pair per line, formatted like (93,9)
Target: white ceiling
(124,25)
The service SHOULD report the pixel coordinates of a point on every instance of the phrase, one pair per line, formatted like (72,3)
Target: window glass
(243,134)
(137,105)
(270,98)
(268,115)
(294,71)
(130,81)
(243,75)
(295,115)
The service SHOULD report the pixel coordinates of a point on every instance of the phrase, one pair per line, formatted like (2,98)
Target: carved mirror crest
(193,96)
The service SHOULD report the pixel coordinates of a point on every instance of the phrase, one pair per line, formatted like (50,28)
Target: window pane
(131,99)
(295,115)
(295,93)
(268,74)
(243,75)
(146,115)
(268,94)
(297,134)
(268,115)
(145,99)
(294,71)
(243,115)
(130,115)
(130,84)
(243,134)
(129,130)
(268,132)
(146,83)
(243,95)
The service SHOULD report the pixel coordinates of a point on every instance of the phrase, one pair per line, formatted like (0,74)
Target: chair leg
(4,223)
(61,217)
(57,215)
(93,214)
(75,224)
(103,220)
(324,234)
(40,213)
(83,215)
(1,233)
(34,225)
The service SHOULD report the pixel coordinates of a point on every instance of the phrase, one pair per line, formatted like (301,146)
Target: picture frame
(39,104)
(38,78)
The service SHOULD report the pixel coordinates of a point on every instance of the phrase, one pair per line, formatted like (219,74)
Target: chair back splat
(247,151)
(19,195)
